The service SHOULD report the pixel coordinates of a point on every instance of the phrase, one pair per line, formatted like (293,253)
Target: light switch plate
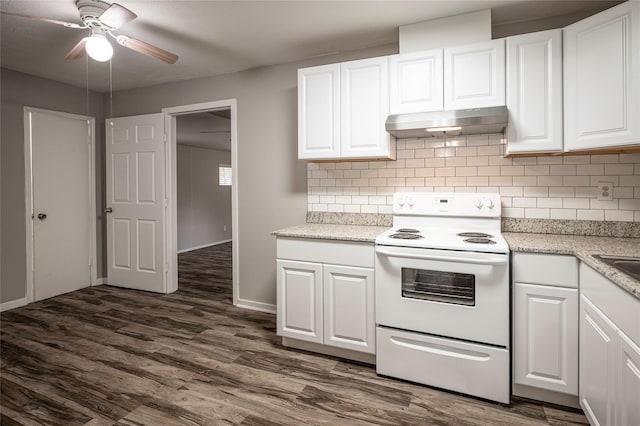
(605,191)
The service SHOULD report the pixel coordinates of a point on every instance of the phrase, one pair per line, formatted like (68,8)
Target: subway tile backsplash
(543,187)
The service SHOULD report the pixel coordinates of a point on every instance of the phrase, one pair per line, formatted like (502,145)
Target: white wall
(204,207)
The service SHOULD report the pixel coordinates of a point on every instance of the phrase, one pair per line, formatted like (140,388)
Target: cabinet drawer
(323,251)
(549,269)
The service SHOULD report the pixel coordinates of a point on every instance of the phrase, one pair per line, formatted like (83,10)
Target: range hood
(448,123)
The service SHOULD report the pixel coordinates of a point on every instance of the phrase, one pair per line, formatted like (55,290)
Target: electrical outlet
(605,191)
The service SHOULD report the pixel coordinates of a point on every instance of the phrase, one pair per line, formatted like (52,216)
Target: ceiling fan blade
(147,49)
(116,16)
(78,50)
(39,18)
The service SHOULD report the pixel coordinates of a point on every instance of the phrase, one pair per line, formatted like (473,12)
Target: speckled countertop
(324,231)
(583,247)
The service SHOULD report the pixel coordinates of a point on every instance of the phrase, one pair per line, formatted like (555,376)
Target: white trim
(28,172)
(12,304)
(203,246)
(172,227)
(256,306)
(101,281)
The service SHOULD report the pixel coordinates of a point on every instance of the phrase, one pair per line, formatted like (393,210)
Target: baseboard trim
(101,281)
(329,350)
(256,306)
(203,246)
(12,304)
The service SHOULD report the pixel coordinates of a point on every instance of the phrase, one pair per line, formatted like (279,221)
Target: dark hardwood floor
(105,356)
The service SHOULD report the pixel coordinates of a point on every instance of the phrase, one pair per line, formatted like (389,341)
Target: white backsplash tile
(546,187)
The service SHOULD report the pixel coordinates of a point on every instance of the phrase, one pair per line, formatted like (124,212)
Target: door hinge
(165,138)
(166,202)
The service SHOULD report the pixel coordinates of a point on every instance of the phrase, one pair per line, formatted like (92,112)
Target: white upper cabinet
(602,79)
(534,92)
(319,112)
(416,82)
(474,75)
(342,109)
(364,108)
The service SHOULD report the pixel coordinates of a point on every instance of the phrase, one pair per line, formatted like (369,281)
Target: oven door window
(437,286)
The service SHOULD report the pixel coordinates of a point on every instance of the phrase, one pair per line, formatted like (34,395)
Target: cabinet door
(349,308)
(415,82)
(364,100)
(546,337)
(299,300)
(598,340)
(602,79)
(474,75)
(319,112)
(534,92)
(628,398)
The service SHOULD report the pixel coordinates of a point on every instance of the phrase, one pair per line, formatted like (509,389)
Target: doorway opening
(203,189)
(203,166)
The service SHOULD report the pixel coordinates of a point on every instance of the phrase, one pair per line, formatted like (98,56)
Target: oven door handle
(486,259)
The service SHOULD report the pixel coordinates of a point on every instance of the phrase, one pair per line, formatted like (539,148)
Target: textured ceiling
(219,37)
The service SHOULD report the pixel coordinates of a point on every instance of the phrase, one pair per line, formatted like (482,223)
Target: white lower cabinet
(545,327)
(300,300)
(597,364)
(609,352)
(325,302)
(628,396)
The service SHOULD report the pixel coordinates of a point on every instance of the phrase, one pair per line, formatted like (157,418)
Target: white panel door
(136,194)
(628,397)
(415,82)
(364,100)
(534,92)
(546,337)
(474,75)
(61,198)
(602,79)
(299,296)
(349,308)
(598,351)
(319,112)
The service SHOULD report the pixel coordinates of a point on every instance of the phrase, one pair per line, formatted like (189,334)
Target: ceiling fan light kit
(102,18)
(97,46)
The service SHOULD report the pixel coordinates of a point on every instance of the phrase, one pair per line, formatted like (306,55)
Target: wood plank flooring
(109,356)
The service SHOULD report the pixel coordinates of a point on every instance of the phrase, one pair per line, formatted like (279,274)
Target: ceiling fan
(101,19)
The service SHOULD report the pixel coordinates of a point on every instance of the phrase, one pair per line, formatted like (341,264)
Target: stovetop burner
(406,236)
(479,241)
(408,230)
(474,235)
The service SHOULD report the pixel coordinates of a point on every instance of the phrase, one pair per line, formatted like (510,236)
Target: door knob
(108,210)
(42,216)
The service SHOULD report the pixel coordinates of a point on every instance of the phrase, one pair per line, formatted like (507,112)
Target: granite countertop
(323,231)
(582,247)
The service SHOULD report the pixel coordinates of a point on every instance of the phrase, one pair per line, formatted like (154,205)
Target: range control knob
(411,202)
(478,203)
(402,201)
(490,204)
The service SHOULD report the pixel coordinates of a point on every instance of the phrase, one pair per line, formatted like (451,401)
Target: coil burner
(479,241)
(474,235)
(406,236)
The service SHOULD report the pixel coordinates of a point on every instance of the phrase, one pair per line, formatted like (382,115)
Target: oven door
(462,295)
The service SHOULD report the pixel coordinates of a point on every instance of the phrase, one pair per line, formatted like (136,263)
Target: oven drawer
(469,368)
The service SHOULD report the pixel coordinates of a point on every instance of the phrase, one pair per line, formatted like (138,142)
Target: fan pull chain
(110,91)
(87,78)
